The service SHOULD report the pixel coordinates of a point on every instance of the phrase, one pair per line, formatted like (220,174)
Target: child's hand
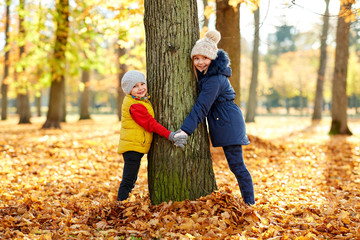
(180,134)
(179,139)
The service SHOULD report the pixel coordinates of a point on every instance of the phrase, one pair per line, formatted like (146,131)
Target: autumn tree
(58,61)
(4,84)
(339,97)
(252,99)
(319,99)
(228,24)
(23,84)
(172,29)
(291,74)
(353,87)
(120,93)
(280,42)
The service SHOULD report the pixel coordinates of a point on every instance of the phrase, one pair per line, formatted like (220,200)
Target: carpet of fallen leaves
(62,184)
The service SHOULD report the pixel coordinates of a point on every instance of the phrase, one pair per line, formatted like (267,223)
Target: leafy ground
(62,184)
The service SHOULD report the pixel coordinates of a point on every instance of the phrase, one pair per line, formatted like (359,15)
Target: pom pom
(213,35)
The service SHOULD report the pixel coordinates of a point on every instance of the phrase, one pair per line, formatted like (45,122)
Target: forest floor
(62,184)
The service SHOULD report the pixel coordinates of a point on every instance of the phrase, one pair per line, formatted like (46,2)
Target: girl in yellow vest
(137,127)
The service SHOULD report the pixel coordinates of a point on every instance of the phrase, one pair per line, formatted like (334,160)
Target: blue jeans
(234,156)
(131,169)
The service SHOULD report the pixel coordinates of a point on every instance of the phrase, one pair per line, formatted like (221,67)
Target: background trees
(106,39)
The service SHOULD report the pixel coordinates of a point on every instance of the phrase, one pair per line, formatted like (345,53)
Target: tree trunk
(206,21)
(339,97)
(85,95)
(252,100)
(120,92)
(63,105)
(38,105)
(4,85)
(23,93)
(57,88)
(318,104)
(171,31)
(24,108)
(228,24)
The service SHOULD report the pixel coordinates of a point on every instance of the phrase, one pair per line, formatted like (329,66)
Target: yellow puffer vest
(133,137)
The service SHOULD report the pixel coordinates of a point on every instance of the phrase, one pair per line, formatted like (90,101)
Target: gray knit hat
(130,79)
(207,46)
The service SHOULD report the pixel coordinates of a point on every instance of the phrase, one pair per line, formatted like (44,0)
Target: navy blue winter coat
(216,102)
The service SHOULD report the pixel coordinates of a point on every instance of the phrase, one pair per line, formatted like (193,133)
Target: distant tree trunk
(38,104)
(120,92)
(302,104)
(57,88)
(63,105)
(85,95)
(228,24)
(24,108)
(23,93)
(287,105)
(171,31)
(252,100)
(339,97)
(206,21)
(4,85)
(319,99)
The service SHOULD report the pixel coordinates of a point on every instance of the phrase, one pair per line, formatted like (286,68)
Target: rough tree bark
(57,89)
(319,98)
(4,85)
(228,24)
(252,99)
(85,95)
(171,31)
(339,97)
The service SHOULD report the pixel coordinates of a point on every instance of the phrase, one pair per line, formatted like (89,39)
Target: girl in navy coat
(215,101)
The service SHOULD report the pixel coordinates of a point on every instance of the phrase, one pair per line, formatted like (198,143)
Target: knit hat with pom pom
(207,46)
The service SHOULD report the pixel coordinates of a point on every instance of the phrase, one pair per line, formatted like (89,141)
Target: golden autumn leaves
(62,184)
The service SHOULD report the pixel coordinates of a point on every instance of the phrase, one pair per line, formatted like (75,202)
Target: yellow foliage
(208,11)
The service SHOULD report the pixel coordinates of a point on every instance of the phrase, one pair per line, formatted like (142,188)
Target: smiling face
(139,90)
(201,62)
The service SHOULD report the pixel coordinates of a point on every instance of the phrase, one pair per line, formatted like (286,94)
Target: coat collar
(220,65)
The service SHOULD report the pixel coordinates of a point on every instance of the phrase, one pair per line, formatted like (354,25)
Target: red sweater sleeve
(142,117)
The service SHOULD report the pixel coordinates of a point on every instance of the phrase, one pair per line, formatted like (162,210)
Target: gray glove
(173,139)
(171,136)
(179,141)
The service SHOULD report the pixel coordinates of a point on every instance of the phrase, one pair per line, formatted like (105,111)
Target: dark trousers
(131,169)
(234,156)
